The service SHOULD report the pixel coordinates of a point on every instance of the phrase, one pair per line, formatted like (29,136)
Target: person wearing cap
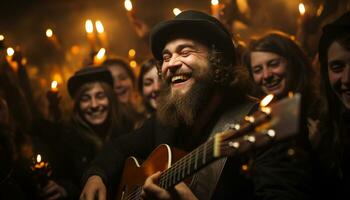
(201,91)
(95,120)
(332,168)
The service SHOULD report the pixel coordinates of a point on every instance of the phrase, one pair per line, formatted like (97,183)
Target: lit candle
(132,53)
(215,8)
(302,9)
(2,41)
(49,33)
(100,56)
(54,87)
(300,23)
(128,6)
(89,28)
(176,11)
(101,34)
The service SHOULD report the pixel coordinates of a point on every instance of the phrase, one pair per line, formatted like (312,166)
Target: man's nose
(173,64)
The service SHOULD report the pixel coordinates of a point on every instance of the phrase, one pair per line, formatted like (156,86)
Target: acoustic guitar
(270,124)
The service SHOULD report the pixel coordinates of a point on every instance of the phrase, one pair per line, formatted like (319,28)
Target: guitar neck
(188,165)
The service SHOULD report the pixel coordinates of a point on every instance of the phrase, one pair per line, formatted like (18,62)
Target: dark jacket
(274,175)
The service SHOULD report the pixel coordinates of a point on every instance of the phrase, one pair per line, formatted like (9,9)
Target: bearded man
(201,93)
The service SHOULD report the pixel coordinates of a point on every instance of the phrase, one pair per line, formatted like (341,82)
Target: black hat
(193,24)
(86,75)
(339,28)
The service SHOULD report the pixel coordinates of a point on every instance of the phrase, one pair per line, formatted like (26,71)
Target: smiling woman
(96,119)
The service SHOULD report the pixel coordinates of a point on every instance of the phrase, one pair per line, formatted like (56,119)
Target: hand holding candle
(41,170)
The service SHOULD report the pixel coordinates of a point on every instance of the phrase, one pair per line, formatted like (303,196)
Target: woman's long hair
(299,70)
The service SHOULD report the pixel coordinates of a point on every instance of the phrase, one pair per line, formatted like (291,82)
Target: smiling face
(93,104)
(269,72)
(339,72)
(182,60)
(123,84)
(151,86)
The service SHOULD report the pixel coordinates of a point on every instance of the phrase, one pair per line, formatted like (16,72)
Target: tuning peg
(250,119)
(234,144)
(271,133)
(235,126)
(249,138)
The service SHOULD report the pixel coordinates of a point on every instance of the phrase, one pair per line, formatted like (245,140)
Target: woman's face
(94,104)
(123,84)
(150,87)
(269,72)
(339,72)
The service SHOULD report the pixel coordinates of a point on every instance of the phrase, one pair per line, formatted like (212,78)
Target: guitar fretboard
(188,165)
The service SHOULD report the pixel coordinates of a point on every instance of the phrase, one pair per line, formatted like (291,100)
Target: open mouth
(180,78)
(272,85)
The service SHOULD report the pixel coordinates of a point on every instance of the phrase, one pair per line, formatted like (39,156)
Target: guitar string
(195,155)
(190,157)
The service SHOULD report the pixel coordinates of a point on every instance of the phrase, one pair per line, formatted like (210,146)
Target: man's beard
(175,108)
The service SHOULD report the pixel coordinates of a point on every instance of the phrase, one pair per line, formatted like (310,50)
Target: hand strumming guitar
(153,191)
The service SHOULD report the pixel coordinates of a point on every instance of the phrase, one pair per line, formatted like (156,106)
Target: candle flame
(101,53)
(49,33)
(214,2)
(89,27)
(128,5)
(266,100)
(302,9)
(54,85)
(38,158)
(2,37)
(176,11)
(133,63)
(132,53)
(10,51)
(99,26)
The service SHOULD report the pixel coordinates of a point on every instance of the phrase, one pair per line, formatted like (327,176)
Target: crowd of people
(198,81)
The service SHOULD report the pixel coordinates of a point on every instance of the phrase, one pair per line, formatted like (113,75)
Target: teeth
(178,78)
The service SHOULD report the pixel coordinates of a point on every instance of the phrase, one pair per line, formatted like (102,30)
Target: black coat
(274,174)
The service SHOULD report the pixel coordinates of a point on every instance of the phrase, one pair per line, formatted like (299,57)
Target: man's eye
(166,57)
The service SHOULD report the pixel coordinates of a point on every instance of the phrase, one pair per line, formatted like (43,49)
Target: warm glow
(38,158)
(57,77)
(290,94)
(266,100)
(49,33)
(89,27)
(99,26)
(2,37)
(176,11)
(214,2)
(101,53)
(133,63)
(266,110)
(128,5)
(54,85)
(132,53)
(10,51)
(243,6)
(302,9)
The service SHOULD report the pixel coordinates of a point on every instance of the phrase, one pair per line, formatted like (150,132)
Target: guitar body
(134,174)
